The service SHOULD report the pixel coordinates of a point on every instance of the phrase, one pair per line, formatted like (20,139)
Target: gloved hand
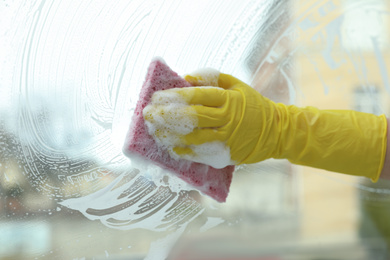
(231,123)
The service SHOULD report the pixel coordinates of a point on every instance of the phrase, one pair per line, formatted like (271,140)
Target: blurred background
(70,74)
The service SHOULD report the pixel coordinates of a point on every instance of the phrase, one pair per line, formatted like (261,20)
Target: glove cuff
(342,141)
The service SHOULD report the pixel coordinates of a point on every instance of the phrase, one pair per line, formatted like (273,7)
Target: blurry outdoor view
(70,74)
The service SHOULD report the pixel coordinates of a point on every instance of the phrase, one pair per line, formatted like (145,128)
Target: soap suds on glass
(70,75)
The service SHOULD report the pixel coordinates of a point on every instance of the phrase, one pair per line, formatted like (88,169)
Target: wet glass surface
(70,74)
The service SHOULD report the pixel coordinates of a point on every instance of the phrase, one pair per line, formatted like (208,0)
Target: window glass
(70,76)
(368,100)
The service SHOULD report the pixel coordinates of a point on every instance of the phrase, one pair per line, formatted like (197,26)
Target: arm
(231,123)
(385,174)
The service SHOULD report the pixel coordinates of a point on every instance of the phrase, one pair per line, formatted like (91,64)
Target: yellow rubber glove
(231,123)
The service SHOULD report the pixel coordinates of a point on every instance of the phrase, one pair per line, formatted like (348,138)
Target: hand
(218,125)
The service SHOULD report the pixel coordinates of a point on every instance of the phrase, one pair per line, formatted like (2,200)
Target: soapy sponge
(208,180)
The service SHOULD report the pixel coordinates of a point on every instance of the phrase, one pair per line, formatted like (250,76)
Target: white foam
(216,154)
(168,118)
(211,223)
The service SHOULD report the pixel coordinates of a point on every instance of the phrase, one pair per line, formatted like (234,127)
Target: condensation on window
(70,75)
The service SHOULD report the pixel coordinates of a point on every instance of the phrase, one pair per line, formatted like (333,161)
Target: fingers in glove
(206,96)
(203,135)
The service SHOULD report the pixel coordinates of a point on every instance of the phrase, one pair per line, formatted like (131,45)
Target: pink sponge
(208,180)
